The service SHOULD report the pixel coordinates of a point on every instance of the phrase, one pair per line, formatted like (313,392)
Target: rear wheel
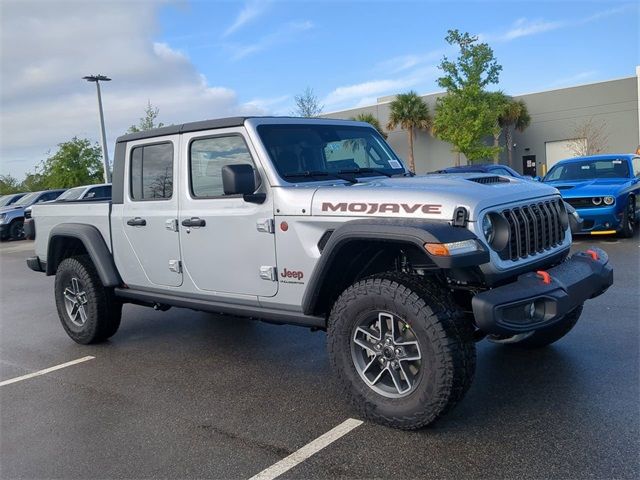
(401,349)
(88,311)
(546,336)
(628,219)
(16,230)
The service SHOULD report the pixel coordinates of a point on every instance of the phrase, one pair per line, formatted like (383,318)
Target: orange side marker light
(546,278)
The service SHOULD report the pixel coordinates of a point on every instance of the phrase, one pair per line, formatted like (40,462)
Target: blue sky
(267,51)
(203,59)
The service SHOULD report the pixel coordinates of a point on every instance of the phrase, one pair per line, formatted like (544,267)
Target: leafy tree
(468,114)
(371,120)
(76,162)
(513,115)
(147,122)
(409,111)
(34,182)
(475,67)
(9,184)
(307,104)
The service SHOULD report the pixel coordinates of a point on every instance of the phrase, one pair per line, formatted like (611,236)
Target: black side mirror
(241,180)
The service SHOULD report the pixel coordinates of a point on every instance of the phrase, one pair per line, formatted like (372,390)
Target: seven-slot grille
(533,228)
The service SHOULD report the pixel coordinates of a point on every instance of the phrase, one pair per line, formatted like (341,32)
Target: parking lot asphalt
(183,394)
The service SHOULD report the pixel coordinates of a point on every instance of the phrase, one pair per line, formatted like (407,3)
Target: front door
(529,165)
(228,244)
(150,212)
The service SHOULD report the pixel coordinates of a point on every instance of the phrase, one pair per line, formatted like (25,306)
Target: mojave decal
(371,208)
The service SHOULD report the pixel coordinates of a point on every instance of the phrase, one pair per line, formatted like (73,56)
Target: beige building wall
(554,117)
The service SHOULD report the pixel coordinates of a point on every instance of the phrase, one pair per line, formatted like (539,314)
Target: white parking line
(307,451)
(45,371)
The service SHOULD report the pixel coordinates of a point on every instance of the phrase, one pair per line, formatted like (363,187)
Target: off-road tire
(16,230)
(547,336)
(628,224)
(103,310)
(443,333)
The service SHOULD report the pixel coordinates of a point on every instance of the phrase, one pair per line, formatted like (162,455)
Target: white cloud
(573,79)
(48,47)
(284,34)
(524,27)
(402,63)
(251,11)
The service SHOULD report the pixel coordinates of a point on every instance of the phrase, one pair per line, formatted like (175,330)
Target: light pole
(105,154)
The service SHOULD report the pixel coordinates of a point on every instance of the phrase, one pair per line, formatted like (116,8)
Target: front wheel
(88,311)
(628,223)
(16,230)
(401,349)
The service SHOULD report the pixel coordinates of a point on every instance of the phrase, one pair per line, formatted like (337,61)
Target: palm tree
(371,119)
(514,115)
(410,112)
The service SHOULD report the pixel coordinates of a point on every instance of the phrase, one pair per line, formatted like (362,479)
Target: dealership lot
(188,394)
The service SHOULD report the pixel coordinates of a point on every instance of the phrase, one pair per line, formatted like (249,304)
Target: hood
(589,188)
(10,208)
(430,196)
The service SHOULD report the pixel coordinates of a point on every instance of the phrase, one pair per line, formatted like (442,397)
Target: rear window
(151,172)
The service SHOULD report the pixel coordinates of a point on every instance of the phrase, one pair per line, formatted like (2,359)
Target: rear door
(150,211)
(233,251)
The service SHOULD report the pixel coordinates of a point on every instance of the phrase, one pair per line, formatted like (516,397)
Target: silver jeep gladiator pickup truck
(318,223)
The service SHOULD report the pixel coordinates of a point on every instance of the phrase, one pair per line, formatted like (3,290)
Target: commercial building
(612,106)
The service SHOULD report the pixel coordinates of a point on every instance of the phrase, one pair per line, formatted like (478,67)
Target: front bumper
(536,301)
(600,220)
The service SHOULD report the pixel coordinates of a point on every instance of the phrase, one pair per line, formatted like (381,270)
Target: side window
(99,192)
(49,196)
(152,172)
(636,166)
(207,156)
(502,171)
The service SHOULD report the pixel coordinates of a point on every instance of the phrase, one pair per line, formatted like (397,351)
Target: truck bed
(48,215)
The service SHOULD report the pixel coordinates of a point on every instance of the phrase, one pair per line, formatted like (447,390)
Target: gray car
(12,216)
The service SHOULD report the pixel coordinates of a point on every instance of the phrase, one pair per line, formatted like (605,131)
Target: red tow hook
(593,254)
(546,278)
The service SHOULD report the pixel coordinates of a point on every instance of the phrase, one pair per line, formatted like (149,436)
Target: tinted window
(152,172)
(48,196)
(208,156)
(99,192)
(502,171)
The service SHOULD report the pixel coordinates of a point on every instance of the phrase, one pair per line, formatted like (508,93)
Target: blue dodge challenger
(604,189)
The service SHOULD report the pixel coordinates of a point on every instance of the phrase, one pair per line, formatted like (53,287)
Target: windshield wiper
(320,173)
(367,170)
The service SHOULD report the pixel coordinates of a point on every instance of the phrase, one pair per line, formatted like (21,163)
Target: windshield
(27,199)
(317,152)
(72,194)
(5,199)
(589,169)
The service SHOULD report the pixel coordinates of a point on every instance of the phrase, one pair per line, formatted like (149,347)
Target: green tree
(467,115)
(371,120)
(409,111)
(34,182)
(307,104)
(147,122)
(76,162)
(9,184)
(513,115)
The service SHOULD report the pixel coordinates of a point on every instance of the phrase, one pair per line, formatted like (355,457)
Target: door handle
(193,222)
(137,222)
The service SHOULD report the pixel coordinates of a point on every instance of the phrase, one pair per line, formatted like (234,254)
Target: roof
(205,125)
(606,156)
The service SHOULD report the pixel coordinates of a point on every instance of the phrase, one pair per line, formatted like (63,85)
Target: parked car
(101,191)
(604,189)
(494,168)
(12,216)
(10,199)
(283,219)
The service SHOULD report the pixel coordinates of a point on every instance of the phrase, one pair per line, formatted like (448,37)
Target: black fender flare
(93,242)
(412,232)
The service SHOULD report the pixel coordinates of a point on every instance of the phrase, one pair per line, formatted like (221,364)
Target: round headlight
(487,228)
(609,200)
(596,200)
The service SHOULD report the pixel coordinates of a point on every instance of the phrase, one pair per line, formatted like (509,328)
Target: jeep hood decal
(429,196)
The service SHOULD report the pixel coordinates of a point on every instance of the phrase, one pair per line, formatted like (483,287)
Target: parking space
(190,395)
